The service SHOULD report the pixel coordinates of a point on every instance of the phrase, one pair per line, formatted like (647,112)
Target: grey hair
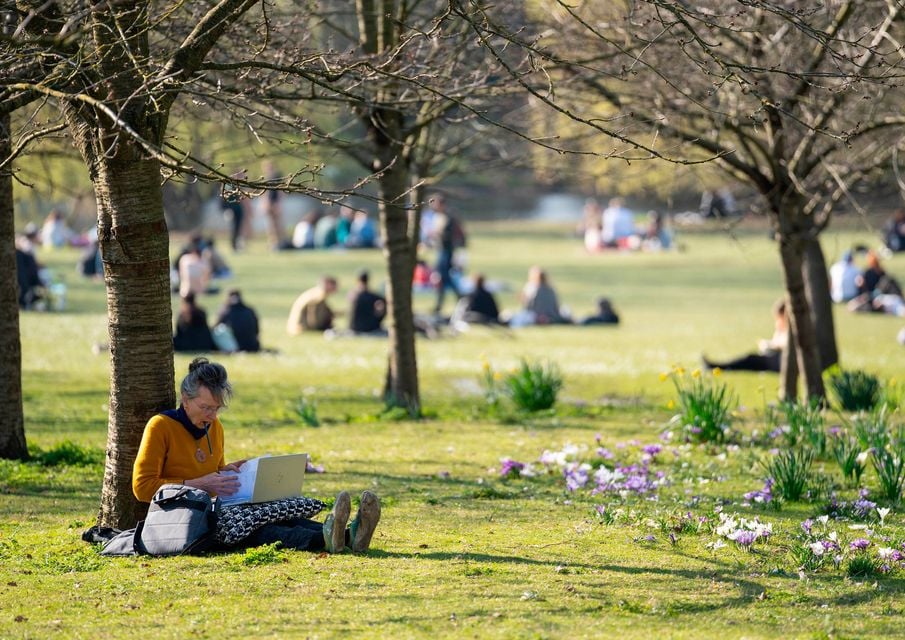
(204,373)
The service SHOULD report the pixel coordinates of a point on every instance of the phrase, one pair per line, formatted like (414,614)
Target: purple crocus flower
(830,545)
(510,467)
(576,476)
(860,544)
(761,496)
(651,450)
(605,453)
(862,507)
(744,538)
(807,525)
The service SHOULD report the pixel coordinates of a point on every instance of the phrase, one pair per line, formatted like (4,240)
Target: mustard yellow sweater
(167,455)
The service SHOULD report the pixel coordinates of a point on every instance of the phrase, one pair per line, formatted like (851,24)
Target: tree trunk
(401,389)
(788,369)
(12,424)
(135,249)
(402,375)
(800,320)
(817,283)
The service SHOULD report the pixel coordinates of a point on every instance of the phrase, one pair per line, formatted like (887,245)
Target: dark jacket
(481,302)
(367,313)
(192,333)
(244,323)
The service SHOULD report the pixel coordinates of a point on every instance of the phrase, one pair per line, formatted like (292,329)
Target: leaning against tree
(186,446)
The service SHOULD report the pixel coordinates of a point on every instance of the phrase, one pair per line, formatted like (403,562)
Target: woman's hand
(216,483)
(234,466)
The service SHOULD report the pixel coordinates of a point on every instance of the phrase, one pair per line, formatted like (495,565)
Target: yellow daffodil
(717,372)
(664,377)
(696,373)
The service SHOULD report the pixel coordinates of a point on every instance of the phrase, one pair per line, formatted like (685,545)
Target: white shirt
(618,223)
(842,281)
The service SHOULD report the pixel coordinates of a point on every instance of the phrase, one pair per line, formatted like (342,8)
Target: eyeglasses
(208,409)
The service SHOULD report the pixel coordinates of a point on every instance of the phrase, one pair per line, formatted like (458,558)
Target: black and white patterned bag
(237,522)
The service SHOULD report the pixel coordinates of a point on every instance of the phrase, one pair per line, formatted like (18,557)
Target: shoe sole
(342,508)
(368,517)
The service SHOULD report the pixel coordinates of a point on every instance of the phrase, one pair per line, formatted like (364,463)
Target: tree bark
(817,286)
(401,388)
(800,319)
(385,133)
(12,423)
(135,249)
(788,369)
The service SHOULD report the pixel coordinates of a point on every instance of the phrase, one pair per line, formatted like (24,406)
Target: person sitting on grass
(192,330)
(186,446)
(605,314)
(366,309)
(242,321)
(769,355)
(310,311)
(476,307)
(540,299)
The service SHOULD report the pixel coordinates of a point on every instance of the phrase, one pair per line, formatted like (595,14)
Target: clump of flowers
(859,544)
(626,480)
(862,557)
(743,532)
(576,475)
(623,480)
(510,468)
(649,452)
(859,509)
(705,405)
(560,458)
(761,496)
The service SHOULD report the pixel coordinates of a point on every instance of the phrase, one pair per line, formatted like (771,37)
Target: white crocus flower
(883,512)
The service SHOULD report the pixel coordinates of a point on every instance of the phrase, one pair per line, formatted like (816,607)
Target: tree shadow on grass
(726,574)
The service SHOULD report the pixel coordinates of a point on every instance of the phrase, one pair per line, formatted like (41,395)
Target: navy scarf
(180,416)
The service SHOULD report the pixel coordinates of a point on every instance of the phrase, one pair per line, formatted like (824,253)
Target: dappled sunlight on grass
(464,550)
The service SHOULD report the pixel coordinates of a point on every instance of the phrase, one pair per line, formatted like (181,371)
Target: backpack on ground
(180,520)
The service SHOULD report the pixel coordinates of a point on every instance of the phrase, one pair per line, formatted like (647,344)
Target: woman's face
(202,409)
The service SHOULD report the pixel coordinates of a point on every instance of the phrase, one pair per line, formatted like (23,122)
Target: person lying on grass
(185,446)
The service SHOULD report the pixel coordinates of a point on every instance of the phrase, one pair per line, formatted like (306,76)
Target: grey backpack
(180,520)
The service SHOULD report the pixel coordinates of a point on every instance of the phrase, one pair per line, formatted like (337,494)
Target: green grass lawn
(462,552)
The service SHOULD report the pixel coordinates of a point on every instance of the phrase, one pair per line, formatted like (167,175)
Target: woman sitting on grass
(769,355)
(186,446)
